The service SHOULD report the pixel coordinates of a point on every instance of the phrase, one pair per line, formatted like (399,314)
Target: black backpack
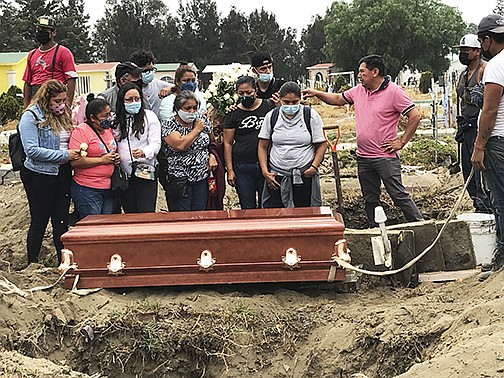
(16,150)
(306,116)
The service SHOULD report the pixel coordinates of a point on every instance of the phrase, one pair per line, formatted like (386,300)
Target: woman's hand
(270,180)
(231,178)
(199,125)
(137,153)
(74,155)
(212,163)
(110,158)
(310,172)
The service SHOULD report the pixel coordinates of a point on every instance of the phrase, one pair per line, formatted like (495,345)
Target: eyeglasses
(149,70)
(132,99)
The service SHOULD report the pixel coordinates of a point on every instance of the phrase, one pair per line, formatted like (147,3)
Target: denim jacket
(41,145)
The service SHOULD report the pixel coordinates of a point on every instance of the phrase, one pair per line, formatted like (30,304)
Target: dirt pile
(440,330)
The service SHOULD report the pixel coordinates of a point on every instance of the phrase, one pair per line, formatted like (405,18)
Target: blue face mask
(133,107)
(190,86)
(265,78)
(290,109)
(147,77)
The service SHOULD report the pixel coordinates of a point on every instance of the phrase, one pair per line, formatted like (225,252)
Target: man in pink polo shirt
(378,104)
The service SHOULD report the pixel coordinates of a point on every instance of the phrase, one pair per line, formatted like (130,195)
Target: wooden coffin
(207,247)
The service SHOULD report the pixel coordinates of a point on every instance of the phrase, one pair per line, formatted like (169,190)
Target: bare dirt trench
(269,330)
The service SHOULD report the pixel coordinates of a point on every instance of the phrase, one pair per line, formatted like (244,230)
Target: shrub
(11,105)
(425,82)
(423,152)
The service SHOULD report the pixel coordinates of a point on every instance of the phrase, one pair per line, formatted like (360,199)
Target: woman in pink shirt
(91,191)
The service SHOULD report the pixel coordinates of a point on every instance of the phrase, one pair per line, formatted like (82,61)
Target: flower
(221,92)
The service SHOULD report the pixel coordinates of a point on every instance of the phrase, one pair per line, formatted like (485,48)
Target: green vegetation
(11,105)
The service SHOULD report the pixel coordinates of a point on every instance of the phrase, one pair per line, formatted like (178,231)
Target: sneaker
(497,264)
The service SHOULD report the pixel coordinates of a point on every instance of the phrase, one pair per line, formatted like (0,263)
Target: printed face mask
(133,107)
(57,109)
(106,123)
(187,117)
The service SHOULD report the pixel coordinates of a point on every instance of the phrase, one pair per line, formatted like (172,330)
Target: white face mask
(187,117)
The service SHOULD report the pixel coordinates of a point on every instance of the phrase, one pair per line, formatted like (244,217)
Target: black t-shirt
(274,86)
(247,124)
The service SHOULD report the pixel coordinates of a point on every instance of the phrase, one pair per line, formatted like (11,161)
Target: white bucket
(482,229)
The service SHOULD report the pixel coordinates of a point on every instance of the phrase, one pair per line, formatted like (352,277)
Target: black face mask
(42,37)
(486,54)
(247,101)
(464,58)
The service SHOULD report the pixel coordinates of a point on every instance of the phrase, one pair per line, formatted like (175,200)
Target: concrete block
(457,246)
(425,234)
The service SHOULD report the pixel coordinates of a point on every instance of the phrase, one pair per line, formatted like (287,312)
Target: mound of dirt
(270,330)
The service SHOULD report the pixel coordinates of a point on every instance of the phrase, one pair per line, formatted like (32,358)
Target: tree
(313,41)
(266,34)
(72,28)
(408,33)
(235,46)
(499,8)
(11,38)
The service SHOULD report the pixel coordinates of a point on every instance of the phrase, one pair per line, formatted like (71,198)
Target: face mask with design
(187,117)
(189,86)
(290,109)
(464,58)
(247,101)
(133,107)
(147,77)
(42,37)
(106,123)
(265,78)
(57,109)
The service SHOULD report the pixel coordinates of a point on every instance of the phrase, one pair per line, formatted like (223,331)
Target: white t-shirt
(151,92)
(494,73)
(292,145)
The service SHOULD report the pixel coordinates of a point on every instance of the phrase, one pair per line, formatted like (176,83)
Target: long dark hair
(95,107)
(181,70)
(121,115)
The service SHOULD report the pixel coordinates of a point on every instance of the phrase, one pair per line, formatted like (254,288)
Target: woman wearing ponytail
(91,183)
(241,130)
(46,174)
(138,133)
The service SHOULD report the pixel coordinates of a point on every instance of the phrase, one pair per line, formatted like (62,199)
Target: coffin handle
(115,266)
(206,261)
(291,259)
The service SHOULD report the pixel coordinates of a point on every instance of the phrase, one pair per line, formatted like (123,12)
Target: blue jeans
(494,180)
(194,198)
(89,201)
(249,184)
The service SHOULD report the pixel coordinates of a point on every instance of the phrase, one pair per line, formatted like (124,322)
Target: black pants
(371,173)
(140,197)
(48,197)
(475,189)
(301,194)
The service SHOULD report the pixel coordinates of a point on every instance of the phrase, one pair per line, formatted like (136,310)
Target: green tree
(11,38)
(235,46)
(72,28)
(313,41)
(408,33)
(131,25)
(266,34)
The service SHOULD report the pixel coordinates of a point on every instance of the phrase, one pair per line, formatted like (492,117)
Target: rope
(346,265)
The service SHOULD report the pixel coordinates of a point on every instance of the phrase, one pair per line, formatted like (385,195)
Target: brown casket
(206,247)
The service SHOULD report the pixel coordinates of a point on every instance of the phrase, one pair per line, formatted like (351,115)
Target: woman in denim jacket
(46,175)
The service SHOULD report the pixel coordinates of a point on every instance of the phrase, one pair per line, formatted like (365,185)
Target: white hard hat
(469,40)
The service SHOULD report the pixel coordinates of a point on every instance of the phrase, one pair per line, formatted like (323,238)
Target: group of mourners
(272,144)
(151,131)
